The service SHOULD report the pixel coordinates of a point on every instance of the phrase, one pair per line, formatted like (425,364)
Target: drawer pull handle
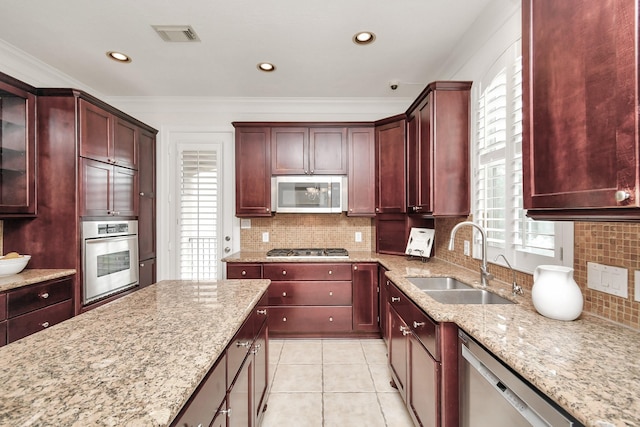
(284,294)
(44,295)
(256,349)
(284,319)
(261,311)
(45,324)
(227,411)
(330,319)
(405,331)
(246,344)
(244,273)
(395,299)
(284,272)
(417,324)
(330,293)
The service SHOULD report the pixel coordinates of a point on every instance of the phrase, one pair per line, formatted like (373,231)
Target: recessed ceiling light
(266,67)
(117,56)
(364,37)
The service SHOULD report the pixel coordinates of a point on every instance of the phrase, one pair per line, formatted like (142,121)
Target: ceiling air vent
(176,33)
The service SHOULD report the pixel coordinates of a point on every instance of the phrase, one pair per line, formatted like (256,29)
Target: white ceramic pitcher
(555,294)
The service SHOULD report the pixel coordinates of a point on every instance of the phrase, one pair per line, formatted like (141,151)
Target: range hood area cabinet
(324,148)
(580,101)
(53,236)
(438,150)
(17,148)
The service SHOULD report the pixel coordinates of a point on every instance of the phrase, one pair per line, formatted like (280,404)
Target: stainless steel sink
(437,283)
(466,296)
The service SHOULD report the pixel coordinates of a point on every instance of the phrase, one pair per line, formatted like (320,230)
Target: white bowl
(13,265)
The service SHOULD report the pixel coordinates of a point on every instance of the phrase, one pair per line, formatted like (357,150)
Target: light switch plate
(605,278)
(358,236)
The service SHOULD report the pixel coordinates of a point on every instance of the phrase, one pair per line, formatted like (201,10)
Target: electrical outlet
(358,236)
(467,248)
(265,237)
(605,278)
(245,223)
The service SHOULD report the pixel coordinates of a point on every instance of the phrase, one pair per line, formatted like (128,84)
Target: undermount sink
(466,296)
(437,283)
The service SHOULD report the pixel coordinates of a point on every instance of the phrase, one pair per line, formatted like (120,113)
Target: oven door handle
(111,239)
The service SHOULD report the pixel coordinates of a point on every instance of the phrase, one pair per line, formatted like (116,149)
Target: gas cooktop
(308,253)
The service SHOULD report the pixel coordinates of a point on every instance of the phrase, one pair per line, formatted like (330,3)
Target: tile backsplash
(612,243)
(308,230)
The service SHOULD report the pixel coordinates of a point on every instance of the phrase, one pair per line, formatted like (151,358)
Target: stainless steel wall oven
(109,258)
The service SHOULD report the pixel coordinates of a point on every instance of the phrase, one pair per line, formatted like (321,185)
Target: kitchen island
(589,366)
(132,362)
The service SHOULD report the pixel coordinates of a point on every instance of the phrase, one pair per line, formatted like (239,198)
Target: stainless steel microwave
(309,194)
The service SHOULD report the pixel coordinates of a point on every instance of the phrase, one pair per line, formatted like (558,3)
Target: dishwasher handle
(508,394)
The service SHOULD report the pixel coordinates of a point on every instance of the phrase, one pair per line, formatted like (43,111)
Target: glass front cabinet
(17,149)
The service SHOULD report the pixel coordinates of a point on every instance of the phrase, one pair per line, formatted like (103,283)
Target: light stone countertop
(589,366)
(132,362)
(30,276)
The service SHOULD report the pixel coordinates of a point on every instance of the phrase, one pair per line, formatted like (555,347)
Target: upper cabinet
(580,102)
(17,148)
(391,165)
(253,171)
(362,172)
(308,151)
(438,150)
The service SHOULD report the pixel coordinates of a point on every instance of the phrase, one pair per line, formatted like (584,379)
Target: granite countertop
(132,362)
(31,276)
(589,366)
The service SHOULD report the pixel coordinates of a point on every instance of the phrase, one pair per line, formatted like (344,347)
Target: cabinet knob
(284,272)
(141,264)
(330,293)
(330,319)
(284,319)
(377,210)
(45,324)
(622,195)
(355,267)
(284,294)
(44,295)
(244,273)
(263,312)
(330,272)
(395,299)
(267,209)
(417,324)
(142,193)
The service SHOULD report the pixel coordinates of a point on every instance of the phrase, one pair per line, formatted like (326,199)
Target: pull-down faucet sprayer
(485,276)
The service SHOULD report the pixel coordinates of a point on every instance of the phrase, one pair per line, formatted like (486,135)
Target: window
(498,175)
(198,214)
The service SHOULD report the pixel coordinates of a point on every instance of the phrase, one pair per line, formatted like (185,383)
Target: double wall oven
(109,258)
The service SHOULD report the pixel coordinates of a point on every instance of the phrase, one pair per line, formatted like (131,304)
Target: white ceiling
(414,38)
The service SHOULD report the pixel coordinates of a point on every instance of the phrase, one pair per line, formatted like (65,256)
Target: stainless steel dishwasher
(493,396)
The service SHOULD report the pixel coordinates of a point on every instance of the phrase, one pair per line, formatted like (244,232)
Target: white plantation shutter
(198,214)
(498,175)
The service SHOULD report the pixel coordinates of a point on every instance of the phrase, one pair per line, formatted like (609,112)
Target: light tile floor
(327,383)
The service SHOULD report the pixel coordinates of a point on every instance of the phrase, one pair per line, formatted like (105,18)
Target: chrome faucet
(485,276)
(515,288)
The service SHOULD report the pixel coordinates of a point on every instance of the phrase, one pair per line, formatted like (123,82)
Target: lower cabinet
(32,308)
(422,361)
(234,392)
(147,272)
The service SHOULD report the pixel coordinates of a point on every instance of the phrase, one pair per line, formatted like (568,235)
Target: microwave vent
(176,33)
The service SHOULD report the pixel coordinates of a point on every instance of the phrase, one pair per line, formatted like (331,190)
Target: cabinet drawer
(210,394)
(35,321)
(244,271)
(310,293)
(425,329)
(239,348)
(307,271)
(34,297)
(310,319)
(3,306)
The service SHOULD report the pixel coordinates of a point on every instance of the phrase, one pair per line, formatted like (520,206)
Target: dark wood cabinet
(147,272)
(383,304)
(253,171)
(147,207)
(17,148)
(308,151)
(244,271)
(365,297)
(126,139)
(362,172)
(391,165)
(392,231)
(438,150)
(580,102)
(107,190)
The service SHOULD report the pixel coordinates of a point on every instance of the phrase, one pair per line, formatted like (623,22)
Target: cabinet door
(96,132)
(147,272)
(423,394)
(383,284)
(413,160)
(240,397)
(398,351)
(362,172)
(261,384)
(391,168)
(125,143)
(328,151)
(147,195)
(290,151)
(253,172)
(95,188)
(17,148)
(365,297)
(580,123)
(125,193)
